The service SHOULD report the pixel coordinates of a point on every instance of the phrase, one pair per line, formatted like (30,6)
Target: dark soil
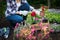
(4,22)
(55,36)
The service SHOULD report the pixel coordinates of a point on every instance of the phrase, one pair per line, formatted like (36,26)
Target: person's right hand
(22,12)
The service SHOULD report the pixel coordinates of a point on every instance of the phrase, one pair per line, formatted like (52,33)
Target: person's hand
(22,12)
(17,12)
(36,11)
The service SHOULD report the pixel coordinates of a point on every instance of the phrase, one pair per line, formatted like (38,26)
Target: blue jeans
(24,6)
(15,18)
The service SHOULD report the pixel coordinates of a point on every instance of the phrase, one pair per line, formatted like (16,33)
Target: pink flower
(48,32)
(40,25)
(47,36)
(36,18)
(34,37)
(17,24)
(39,35)
(17,35)
(51,30)
(29,36)
(32,29)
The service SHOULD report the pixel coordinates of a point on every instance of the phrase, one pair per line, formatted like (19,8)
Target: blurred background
(35,3)
(53,13)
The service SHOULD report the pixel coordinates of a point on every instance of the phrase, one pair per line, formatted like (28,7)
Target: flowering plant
(30,32)
(33,14)
(37,31)
(32,17)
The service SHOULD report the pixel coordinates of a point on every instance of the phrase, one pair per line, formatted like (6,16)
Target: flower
(17,25)
(39,35)
(51,30)
(42,13)
(36,18)
(32,29)
(47,36)
(29,36)
(34,37)
(33,14)
(42,7)
(17,35)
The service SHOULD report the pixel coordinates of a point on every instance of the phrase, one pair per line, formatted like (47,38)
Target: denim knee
(15,18)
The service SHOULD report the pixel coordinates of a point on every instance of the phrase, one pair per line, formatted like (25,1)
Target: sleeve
(8,3)
(31,8)
(11,7)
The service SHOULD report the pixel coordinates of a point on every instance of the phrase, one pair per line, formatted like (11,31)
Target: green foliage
(2,7)
(29,18)
(53,17)
(55,3)
(56,27)
(37,3)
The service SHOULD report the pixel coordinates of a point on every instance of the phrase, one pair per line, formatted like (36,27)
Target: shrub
(53,17)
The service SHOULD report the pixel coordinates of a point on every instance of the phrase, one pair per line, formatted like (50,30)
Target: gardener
(13,9)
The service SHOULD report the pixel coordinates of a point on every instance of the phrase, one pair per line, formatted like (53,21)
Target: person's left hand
(18,12)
